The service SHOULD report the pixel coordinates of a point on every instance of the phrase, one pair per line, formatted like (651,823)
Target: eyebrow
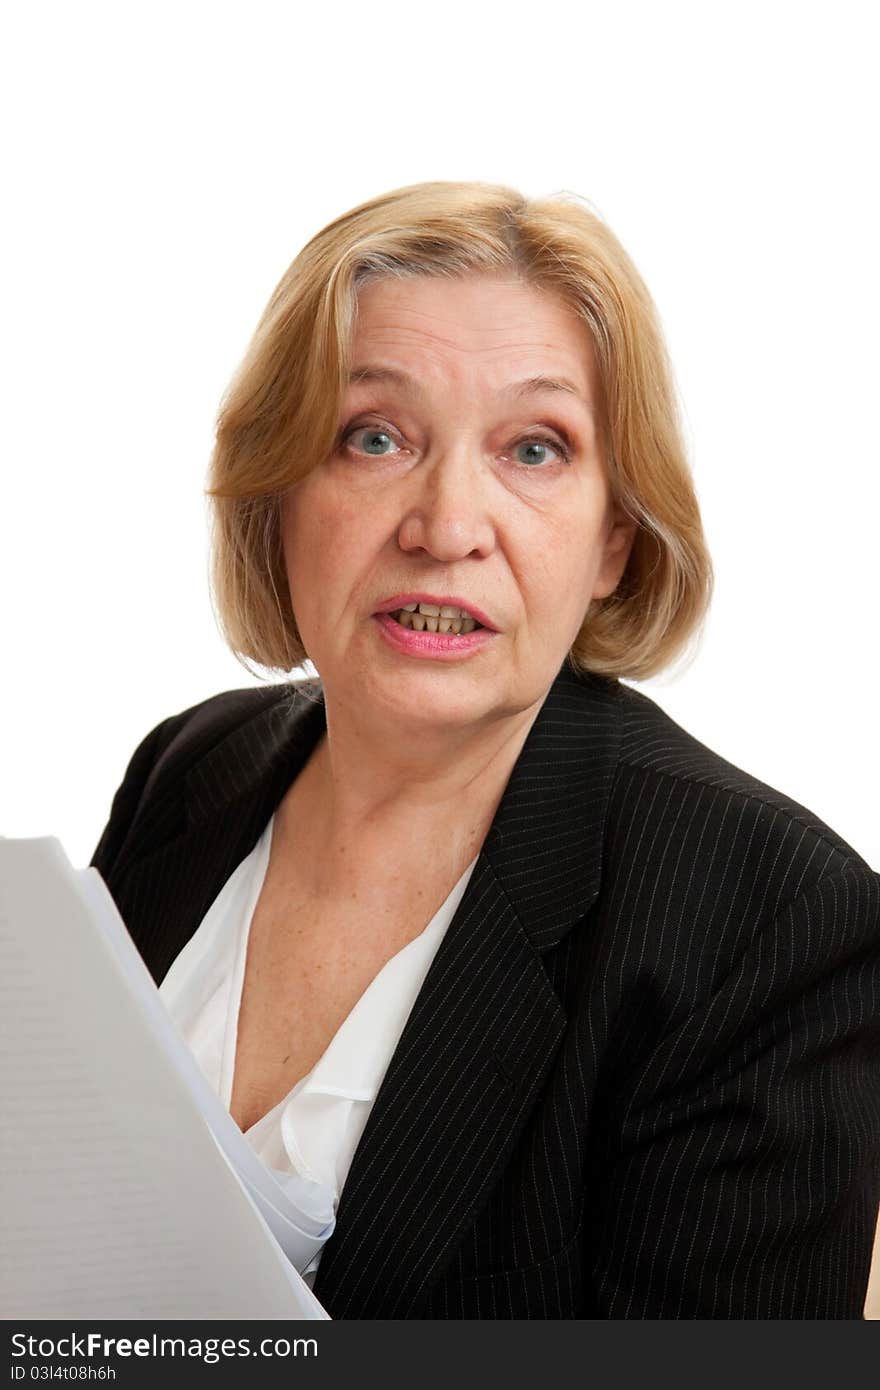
(530,385)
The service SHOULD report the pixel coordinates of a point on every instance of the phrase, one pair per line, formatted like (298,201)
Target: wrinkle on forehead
(496,323)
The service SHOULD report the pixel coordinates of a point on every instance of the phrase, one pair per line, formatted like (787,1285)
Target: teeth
(433,624)
(433,610)
(428,617)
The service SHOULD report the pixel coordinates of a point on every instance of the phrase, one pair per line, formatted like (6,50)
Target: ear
(619,537)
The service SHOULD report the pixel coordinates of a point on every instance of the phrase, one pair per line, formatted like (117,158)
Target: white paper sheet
(126,1189)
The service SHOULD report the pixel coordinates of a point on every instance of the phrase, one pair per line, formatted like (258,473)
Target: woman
(540,1008)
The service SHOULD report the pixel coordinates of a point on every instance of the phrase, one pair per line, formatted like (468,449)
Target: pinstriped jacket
(642,1076)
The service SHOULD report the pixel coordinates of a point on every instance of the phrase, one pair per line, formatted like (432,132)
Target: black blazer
(642,1076)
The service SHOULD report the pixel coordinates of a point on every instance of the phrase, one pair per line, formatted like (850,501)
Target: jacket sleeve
(742,1176)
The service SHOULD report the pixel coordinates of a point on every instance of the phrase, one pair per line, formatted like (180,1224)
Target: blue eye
(540,445)
(532,451)
(374,437)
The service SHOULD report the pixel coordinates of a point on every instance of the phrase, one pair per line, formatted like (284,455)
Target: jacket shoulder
(655,749)
(177,743)
(193,732)
(704,863)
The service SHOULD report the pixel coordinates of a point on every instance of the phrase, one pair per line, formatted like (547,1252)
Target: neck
(425,802)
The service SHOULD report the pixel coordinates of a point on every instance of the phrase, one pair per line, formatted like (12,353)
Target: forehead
(492,327)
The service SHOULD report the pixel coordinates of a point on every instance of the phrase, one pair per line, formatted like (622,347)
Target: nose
(447,514)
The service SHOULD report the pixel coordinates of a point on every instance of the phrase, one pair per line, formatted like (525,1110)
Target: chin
(435,697)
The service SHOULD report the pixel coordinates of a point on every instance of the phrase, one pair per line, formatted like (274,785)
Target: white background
(165,162)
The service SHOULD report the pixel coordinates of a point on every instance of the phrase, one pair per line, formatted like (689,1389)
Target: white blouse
(308,1140)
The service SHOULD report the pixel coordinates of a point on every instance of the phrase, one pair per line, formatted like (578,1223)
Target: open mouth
(429,617)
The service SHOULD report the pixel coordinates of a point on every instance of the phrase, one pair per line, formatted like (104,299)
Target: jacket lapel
(486,1025)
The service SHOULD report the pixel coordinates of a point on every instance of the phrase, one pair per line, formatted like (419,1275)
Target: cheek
(329,545)
(574,548)
(559,568)
(319,510)
(317,520)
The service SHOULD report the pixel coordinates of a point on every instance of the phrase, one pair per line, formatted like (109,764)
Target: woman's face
(461,474)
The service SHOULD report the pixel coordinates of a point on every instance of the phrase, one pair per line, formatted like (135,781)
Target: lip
(391,605)
(434,646)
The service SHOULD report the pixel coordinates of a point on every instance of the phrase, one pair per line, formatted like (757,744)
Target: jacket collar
(547,837)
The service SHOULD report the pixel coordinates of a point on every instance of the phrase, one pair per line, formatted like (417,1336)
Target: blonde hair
(291,382)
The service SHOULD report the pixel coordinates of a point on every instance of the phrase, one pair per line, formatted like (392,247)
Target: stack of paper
(126,1189)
